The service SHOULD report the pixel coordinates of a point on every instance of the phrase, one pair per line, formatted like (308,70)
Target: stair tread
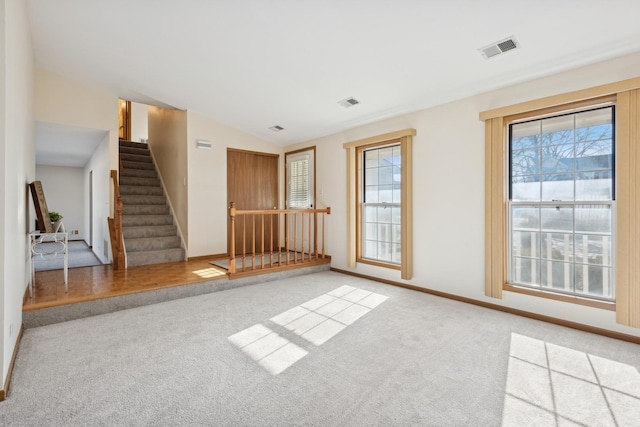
(125,143)
(146,226)
(129,164)
(136,158)
(136,181)
(146,214)
(148,238)
(150,209)
(159,251)
(146,244)
(150,200)
(141,231)
(141,190)
(155,256)
(139,173)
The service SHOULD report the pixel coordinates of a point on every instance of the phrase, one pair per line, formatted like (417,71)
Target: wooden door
(252,183)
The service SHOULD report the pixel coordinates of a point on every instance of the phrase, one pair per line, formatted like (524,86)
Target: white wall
(64,192)
(99,164)
(448,192)
(207,178)
(17,160)
(5,342)
(168,144)
(139,122)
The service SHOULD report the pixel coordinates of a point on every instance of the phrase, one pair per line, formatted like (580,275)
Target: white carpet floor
(323,349)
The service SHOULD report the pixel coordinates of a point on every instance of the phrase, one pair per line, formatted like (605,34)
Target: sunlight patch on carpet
(548,384)
(273,352)
(317,321)
(320,319)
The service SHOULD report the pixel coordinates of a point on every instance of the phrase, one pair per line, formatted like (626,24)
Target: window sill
(604,305)
(379,264)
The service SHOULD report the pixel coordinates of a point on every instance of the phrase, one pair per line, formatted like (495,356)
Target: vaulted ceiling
(253,64)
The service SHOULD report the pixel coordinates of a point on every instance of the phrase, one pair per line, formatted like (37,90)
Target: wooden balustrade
(276,238)
(115,226)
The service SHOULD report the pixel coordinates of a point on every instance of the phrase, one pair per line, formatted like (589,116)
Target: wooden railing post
(328,213)
(232,244)
(119,238)
(115,226)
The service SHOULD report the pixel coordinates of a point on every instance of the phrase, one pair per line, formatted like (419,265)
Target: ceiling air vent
(499,47)
(276,128)
(349,102)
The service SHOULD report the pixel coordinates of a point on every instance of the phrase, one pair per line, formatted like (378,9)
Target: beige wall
(168,144)
(208,180)
(17,160)
(448,196)
(65,101)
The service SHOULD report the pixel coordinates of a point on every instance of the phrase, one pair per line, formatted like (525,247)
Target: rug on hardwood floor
(80,255)
(323,349)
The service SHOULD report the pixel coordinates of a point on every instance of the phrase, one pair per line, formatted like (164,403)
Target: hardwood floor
(91,283)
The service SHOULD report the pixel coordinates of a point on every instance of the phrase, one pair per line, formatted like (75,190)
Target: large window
(561,193)
(381,195)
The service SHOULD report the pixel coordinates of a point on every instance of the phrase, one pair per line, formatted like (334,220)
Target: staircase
(150,237)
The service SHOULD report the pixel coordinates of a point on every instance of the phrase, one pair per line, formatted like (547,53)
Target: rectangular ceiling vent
(276,128)
(349,102)
(497,48)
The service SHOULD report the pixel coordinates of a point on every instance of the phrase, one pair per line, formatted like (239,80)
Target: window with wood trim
(584,255)
(380,205)
(561,195)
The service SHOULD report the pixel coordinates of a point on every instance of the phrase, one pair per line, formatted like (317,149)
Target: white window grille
(381,189)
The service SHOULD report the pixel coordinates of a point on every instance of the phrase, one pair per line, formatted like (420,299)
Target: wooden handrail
(115,226)
(298,234)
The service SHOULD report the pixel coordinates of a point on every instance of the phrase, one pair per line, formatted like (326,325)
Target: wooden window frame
(405,139)
(626,96)
(360,202)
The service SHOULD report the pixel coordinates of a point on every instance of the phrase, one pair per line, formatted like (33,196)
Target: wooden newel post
(232,244)
(120,247)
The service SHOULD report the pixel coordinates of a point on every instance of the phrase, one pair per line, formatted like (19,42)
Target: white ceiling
(61,145)
(252,64)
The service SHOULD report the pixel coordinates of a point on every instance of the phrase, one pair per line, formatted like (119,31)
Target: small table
(49,245)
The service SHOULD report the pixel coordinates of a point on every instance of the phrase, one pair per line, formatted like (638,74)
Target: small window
(561,196)
(300,179)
